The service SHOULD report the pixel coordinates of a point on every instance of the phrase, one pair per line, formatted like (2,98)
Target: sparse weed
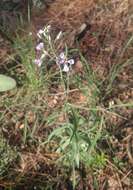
(76,140)
(29,130)
(118,67)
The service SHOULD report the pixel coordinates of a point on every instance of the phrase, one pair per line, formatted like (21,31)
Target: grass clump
(7,154)
(25,50)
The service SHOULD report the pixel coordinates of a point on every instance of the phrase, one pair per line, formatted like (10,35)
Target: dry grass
(69,14)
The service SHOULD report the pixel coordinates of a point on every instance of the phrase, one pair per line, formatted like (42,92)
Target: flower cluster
(40,54)
(44,36)
(64,63)
(40,51)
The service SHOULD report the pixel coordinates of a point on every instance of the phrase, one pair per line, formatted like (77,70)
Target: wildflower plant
(39,57)
(48,51)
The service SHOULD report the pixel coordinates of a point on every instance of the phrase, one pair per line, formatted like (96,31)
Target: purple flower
(40,46)
(38,62)
(64,63)
(62,56)
(61,59)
